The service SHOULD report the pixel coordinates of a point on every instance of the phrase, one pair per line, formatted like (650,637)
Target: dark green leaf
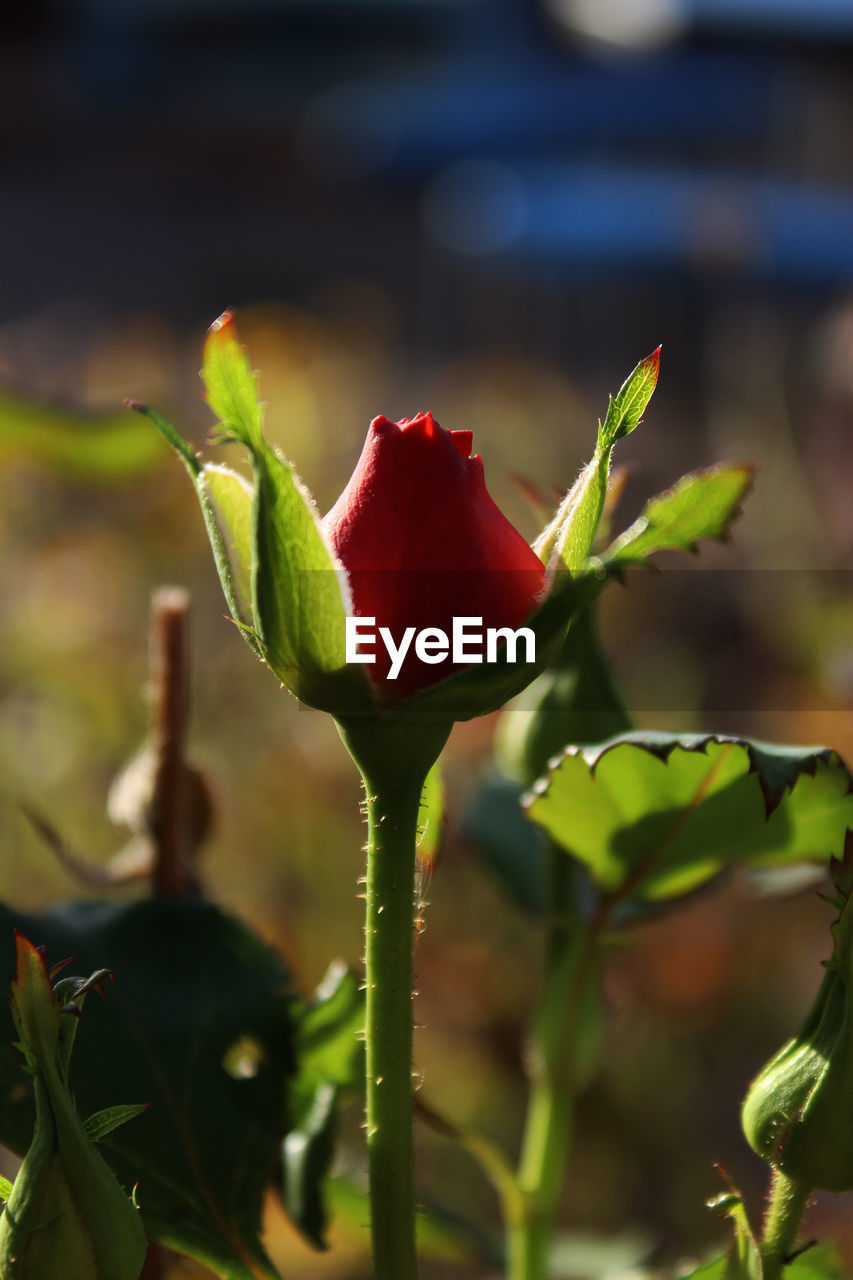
(512,848)
(701,505)
(103,1122)
(654,815)
(191,983)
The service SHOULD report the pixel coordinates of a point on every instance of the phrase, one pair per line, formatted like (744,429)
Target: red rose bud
(423,544)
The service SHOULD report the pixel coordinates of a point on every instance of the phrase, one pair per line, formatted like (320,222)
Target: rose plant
(591,823)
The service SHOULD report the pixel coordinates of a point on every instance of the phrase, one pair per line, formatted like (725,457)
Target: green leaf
(330,1034)
(627,407)
(103,1122)
(330,1050)
(5,1188)
(308,1152)
(298,606)
(191,983)
(654,815)
(700,505)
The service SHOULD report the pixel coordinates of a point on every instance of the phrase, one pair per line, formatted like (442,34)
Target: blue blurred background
(491,209)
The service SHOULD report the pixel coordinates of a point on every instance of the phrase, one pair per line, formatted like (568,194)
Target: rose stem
(786,1204)
(571,966)
(393,758)
(170,608)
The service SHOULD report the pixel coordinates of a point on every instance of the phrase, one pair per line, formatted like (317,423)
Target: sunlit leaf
(702,505)
(653,815)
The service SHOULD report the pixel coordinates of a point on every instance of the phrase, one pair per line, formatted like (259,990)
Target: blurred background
(491,209)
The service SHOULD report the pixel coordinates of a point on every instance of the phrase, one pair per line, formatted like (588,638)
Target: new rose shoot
(468,642)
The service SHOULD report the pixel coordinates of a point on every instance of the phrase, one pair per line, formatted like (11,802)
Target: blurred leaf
(5,1188)
(512,848)
(330,1034)
(190,983)
(103,1122)
(88,447)
(308,1153)
(584,1256)
(330,1052)
(627,407)
(654,815)
(701,505)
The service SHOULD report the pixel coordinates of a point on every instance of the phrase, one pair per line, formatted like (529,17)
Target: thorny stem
(394,759)
(786,1205)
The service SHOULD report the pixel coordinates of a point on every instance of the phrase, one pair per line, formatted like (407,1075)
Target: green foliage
(102,449)
(65,1202)
(701,505)
(653,815)
(191,983)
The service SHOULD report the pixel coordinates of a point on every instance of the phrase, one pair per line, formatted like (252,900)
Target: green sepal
(65,1203)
